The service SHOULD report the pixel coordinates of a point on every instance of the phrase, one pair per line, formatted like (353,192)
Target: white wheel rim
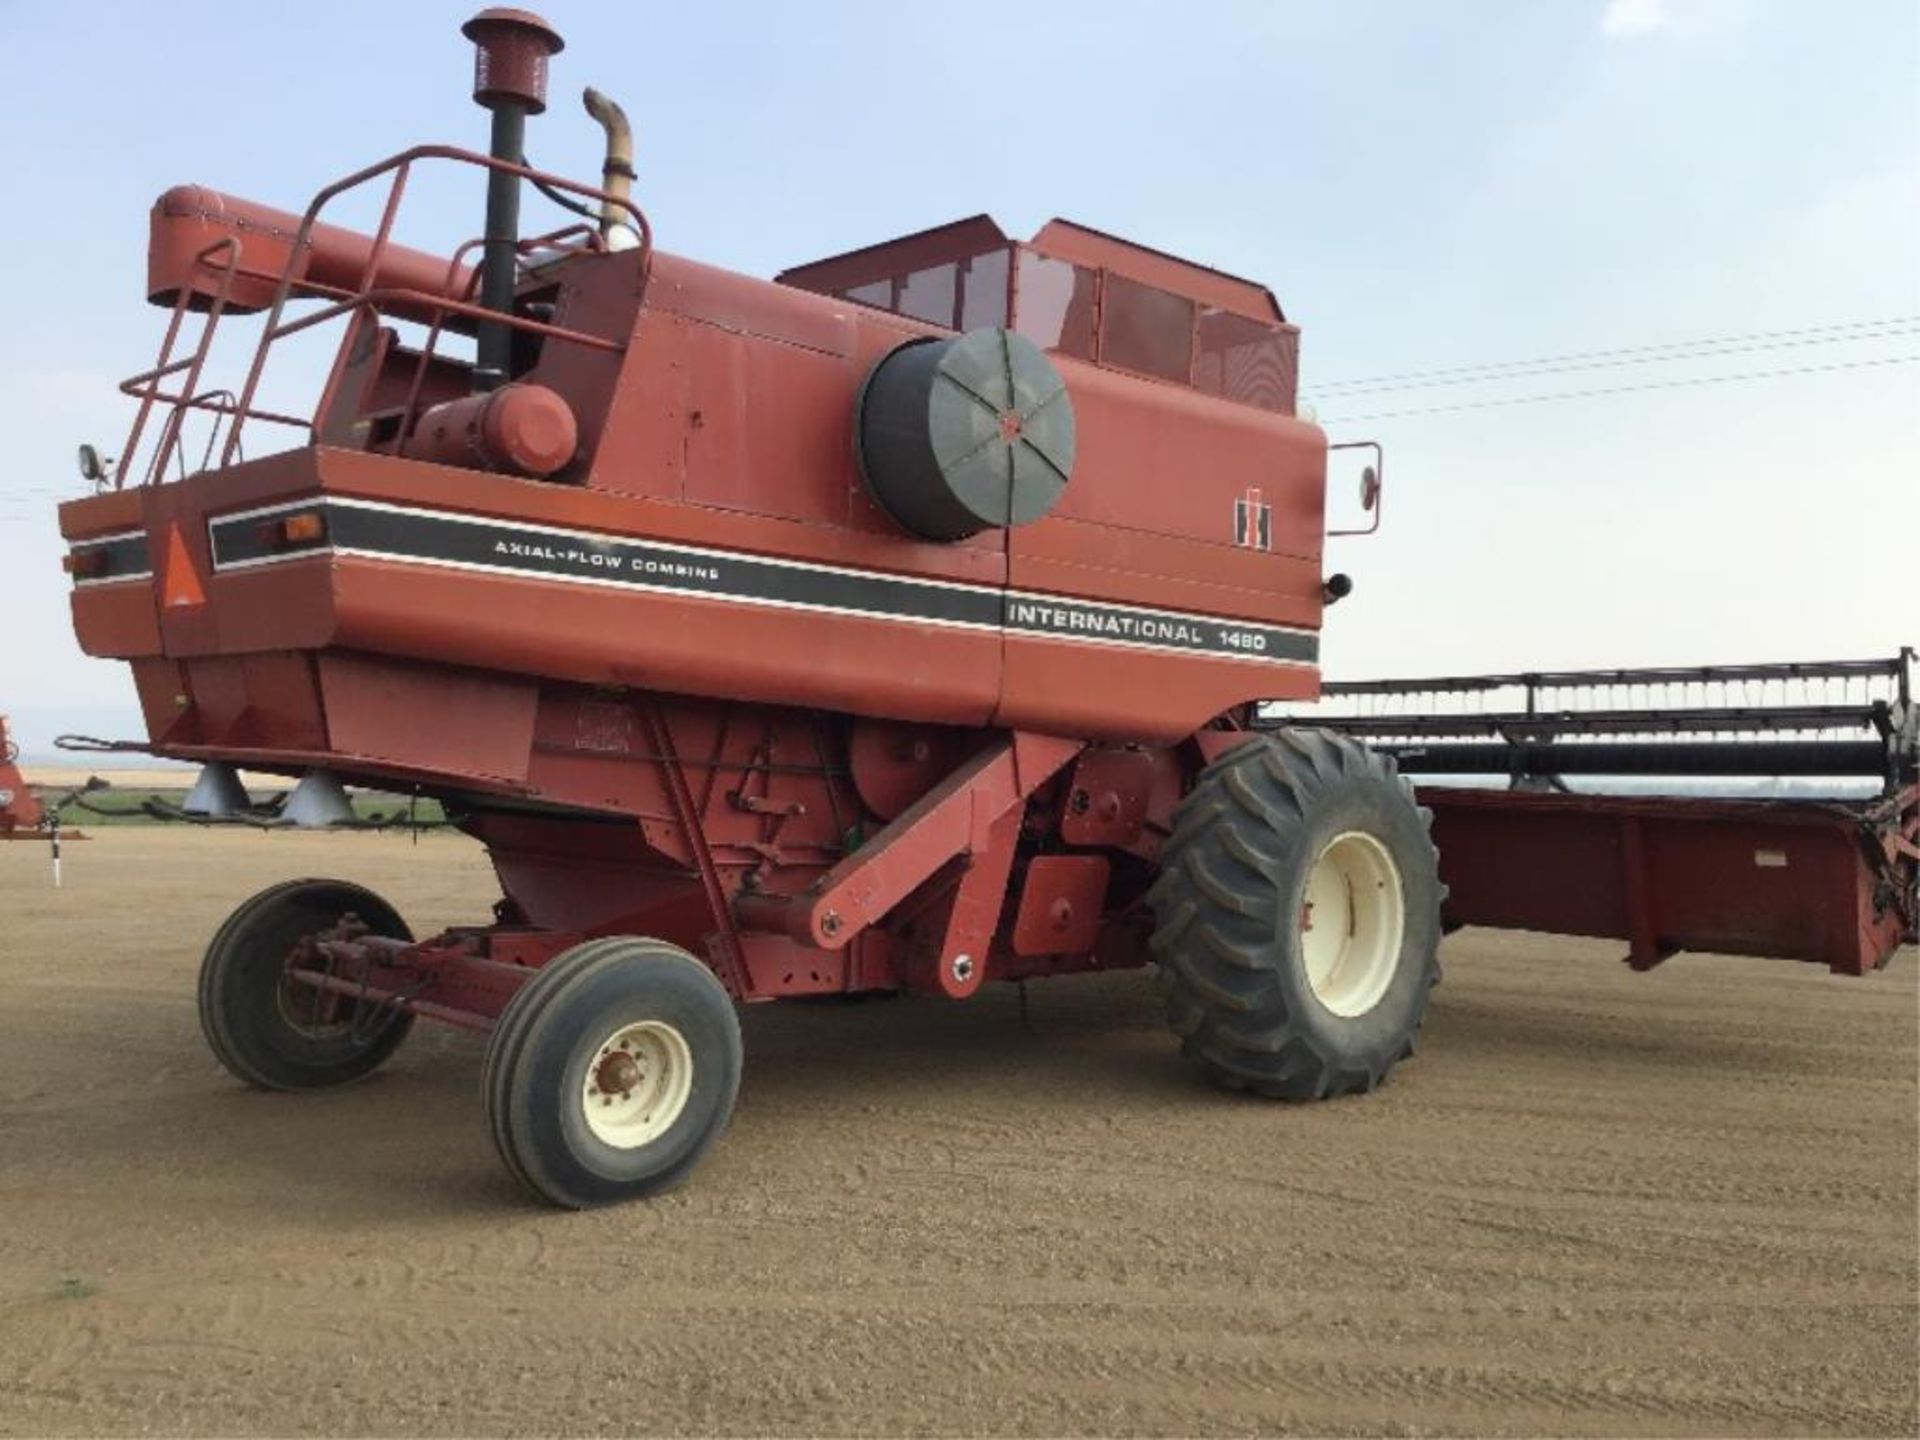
(637,1083)
(1352,923)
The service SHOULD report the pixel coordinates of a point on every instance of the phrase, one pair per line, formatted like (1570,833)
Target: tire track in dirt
(1597,1203)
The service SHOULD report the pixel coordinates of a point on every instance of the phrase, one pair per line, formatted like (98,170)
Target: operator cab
(1077,292)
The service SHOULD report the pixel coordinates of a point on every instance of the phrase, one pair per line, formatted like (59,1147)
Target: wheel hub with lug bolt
(617,1073)
(1351,923)
(637,1084)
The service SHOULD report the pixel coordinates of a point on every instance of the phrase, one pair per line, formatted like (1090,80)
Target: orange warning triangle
(181,585)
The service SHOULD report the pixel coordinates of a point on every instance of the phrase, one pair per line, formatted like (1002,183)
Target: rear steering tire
(1298,917)
(611,1072)
(273,1032)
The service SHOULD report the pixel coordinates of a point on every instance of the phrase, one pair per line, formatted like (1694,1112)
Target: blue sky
(1423,185)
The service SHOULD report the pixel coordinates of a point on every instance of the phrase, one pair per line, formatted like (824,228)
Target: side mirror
(1368,492)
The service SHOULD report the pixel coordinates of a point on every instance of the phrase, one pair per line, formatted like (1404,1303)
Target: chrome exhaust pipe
(616,171)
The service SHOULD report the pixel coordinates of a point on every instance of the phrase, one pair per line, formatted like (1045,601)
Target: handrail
(225,257)
(400,166)
(423,298)
(191,364)
(428,350)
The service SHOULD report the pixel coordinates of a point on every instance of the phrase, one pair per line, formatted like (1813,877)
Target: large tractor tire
(611,1072)
(273,1032)
(1298,917)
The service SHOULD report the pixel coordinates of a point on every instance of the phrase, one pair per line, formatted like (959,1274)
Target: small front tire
(273,1032)
(611,1072)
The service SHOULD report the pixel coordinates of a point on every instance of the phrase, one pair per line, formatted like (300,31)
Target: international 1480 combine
(900,624)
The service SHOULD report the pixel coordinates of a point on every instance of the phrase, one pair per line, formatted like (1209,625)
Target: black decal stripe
(659,566)
(126,557)
(1210,635)
(390,532)
(243,540)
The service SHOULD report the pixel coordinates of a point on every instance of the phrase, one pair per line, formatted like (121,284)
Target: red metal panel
(116,620)
(425,715)
(1112,692)
(764,409)
(1166,460)
(1134,567)
(695,646)
(1108,798)
(1791,880)
(955,241)
(1062,903)
(1099,251)
(778,966)
(956,819)
(894,763)
(593,878)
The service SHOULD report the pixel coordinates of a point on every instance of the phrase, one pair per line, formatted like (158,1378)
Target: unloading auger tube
(901,624)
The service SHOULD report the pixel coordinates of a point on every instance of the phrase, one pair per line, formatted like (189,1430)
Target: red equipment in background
(901,624)
(20,808)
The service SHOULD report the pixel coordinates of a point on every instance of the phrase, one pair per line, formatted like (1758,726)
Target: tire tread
(1221,885)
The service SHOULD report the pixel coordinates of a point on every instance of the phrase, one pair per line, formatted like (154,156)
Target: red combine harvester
(900,624)
(21,813)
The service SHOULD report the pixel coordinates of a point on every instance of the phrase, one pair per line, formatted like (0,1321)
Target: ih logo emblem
(1253,521)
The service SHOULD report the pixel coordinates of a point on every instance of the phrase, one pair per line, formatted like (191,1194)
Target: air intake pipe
(511,49)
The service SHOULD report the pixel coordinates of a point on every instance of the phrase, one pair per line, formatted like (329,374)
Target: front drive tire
(611,1072)
(1298,917)
(276,1034)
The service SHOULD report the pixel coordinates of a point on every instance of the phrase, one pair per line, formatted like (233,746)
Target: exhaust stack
(511,49)
(616,171)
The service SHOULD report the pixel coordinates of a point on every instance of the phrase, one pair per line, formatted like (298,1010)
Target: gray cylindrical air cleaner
(963,433)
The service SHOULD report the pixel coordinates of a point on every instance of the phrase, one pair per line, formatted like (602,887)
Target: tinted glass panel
(1246,361)
(928,294)
(1055,305)
(877,293)
(1147,330)
(983,291)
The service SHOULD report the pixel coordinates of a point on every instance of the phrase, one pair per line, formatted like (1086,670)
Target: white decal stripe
(1040,597)
(227,566)
(1093,608)
(604,537)
(611,582)
(1075,638)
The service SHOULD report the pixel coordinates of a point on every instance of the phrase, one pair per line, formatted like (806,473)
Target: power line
(1673,359)
(1889,327)
(1624,389)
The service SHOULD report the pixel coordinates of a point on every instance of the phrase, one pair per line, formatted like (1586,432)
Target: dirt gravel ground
(1596,1203)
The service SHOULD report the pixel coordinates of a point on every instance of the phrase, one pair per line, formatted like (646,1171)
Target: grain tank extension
(900,624)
